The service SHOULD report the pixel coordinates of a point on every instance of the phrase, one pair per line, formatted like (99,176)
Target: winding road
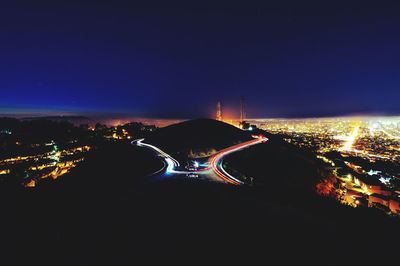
(214,169)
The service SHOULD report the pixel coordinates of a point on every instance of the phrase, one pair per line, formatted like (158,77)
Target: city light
(362,153)
(351,139)
(52,164)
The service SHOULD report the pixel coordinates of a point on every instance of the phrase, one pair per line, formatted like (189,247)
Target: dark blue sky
(295,58)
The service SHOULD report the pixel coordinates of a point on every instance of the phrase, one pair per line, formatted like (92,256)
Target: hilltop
(197,135)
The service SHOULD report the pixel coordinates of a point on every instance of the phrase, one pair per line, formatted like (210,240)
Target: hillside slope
(199,134)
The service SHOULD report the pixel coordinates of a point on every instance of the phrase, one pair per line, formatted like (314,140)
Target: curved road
(216,159)
(215,169)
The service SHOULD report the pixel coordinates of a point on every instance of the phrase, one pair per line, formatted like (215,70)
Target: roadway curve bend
(171,165)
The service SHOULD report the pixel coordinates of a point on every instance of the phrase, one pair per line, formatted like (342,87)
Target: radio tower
(219,111)
(242,110)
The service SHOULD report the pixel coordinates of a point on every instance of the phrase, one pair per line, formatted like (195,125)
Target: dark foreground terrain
(109,212)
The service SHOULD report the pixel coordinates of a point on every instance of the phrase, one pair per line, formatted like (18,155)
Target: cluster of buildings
(39,161)
(28,160)
(362,154)
(126,131)
(356,187)
(337,134)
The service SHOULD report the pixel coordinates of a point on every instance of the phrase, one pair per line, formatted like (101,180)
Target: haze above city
(288,59)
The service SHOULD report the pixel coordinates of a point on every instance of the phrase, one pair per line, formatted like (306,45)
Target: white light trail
(215,161)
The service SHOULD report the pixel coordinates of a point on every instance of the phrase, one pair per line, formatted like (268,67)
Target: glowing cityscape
(199,131)
(361,153)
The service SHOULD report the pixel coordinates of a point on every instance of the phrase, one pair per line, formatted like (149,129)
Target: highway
(214,169)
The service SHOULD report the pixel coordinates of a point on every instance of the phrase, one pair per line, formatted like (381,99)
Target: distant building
(218,115)
(242,123)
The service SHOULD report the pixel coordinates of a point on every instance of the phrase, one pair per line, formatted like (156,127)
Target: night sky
(292,59)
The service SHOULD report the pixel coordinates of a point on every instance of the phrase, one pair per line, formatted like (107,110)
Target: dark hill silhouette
(109,212)
(285,177)
(198,134)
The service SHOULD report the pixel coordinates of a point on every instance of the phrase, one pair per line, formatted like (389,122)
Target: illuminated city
(211,132)
(362,153)
(51,164)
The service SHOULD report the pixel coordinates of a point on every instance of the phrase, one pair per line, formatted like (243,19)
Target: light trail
(215,161)
(360,152)
(170,162)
